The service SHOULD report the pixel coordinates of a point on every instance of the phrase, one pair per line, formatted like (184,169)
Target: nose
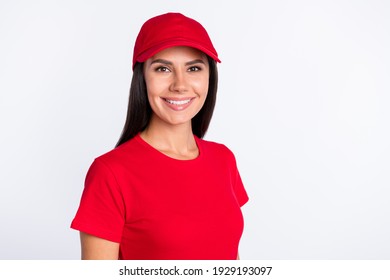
(179,83)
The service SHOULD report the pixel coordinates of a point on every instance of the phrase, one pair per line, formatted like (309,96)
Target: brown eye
(194,68)
(162,69)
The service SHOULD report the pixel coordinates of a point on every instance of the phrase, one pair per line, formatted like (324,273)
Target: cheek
(153,87)
(202,86)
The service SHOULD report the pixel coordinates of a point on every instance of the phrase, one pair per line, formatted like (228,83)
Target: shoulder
(126,154)
(215,148)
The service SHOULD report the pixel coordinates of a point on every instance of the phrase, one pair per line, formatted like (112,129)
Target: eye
(162,69)
(194,69)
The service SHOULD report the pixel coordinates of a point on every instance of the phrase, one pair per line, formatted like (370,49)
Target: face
(177,81)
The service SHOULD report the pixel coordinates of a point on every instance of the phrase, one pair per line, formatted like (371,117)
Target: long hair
(139,111)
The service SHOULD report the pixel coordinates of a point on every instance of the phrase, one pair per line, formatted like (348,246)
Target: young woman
(164,192)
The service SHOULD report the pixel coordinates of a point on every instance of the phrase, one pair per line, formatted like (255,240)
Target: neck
(176,141)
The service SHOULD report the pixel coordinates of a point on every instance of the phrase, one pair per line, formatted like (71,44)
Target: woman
(163,192)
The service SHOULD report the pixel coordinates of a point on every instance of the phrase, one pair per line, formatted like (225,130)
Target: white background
(303,102)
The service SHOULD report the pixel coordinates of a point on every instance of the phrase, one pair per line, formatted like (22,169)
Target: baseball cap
(169,30)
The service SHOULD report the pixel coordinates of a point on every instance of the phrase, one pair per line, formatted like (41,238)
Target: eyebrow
(162,61)
(167,62)
(195,61)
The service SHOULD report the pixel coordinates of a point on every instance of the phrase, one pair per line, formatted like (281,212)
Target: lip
(178,104)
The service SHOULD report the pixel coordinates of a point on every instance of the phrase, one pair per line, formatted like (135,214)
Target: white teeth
(178,102)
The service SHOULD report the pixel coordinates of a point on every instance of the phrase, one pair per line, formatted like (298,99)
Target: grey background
(303,102)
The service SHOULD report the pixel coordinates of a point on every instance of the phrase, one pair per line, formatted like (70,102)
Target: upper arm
(95,248)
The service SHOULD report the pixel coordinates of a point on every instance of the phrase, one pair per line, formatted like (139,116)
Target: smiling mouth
(178,102)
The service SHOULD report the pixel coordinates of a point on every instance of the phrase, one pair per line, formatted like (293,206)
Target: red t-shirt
(159,208)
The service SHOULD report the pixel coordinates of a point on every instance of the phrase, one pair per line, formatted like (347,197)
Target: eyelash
(166,69)
(161,69)
(195,68)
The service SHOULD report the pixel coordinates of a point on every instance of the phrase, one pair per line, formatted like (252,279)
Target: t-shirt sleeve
(101,210)
(238,186)
(241,194)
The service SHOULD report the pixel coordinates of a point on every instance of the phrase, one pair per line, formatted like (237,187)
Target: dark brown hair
(139,110)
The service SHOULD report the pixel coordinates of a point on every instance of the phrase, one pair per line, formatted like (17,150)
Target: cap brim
(174,43)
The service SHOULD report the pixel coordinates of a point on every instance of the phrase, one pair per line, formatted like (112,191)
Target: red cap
(169,30)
